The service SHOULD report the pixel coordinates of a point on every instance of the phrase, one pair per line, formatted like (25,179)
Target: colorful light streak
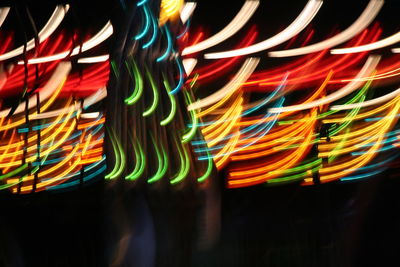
(332,128)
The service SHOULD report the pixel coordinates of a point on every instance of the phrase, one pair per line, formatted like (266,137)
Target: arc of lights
(365,19)
(305,17)
(395,38)
(241,18)
(47,30)
(100,37)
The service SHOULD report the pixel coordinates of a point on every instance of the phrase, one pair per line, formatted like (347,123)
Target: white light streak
(100,37)
(368,103)
(88,60)
(189,64)
(91,115)
(3,14)
(359,25)
(305,17)
(241,18)
(187,11)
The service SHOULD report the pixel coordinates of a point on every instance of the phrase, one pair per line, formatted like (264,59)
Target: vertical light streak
(184,164)
(138,91)
(119,154)
(140,159)
(172,100)
(208,170)
(146,25)
(169,45)
(154,88)
(162,162)
(187,137)
(154,35)
(180,82)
